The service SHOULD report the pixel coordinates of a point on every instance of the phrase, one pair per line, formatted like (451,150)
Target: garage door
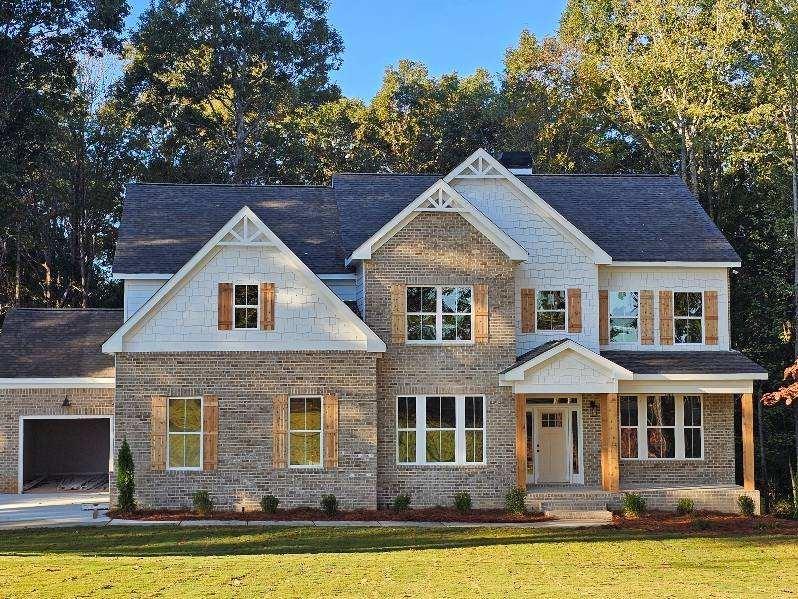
(65,454)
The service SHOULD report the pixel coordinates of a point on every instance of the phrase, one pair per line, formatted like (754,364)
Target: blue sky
(446,35)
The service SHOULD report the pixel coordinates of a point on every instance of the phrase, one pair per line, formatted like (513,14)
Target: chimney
(518,163)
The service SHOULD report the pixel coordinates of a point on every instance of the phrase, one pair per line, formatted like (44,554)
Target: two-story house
(395,333)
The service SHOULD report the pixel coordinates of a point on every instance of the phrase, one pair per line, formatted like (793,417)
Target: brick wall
(41,402)
(443,249)
(245,383)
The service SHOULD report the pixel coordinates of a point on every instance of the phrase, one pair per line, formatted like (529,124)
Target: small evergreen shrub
(685,506)
(633,505)
(514,500)
(401,502)
(269,503)
(462,501)
(125,478)
(329,504)
(784,509)
(203,504)
(700,524)
(746,504)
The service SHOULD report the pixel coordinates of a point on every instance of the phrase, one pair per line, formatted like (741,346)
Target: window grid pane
(245,306)
(406,429)
(550,310)
(474,429)
(688,312)
(422,305)
(304,436)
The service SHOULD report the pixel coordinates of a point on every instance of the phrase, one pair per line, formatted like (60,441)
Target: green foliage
(202,502)
(514,500)
(401,502)
(685,506)
(125,478)
(329,504)
(462,501)
(269,503)
(785,509)
(746,505)
(633,505)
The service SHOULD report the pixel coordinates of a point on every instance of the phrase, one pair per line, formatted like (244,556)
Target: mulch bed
(702,522)
(411,515)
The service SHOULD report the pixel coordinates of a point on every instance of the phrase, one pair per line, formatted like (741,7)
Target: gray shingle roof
(57,343)
(534,353)
(684,362)
(164,225)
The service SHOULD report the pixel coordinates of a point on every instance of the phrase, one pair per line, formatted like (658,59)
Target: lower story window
(185,433)
(304,431)
(440,429)
(661,427)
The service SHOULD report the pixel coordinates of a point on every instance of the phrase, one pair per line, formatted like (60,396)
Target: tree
(210,84)
(125,479)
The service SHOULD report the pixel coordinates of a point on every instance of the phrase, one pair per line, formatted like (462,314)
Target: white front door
(551,446)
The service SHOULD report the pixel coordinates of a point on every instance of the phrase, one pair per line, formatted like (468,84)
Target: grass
(380,562)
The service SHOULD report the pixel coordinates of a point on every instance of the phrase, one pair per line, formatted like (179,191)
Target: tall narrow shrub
(125,479)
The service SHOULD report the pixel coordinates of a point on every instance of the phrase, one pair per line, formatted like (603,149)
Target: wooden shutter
(225,303)
(158,433)
(575,310)
(267,293)
(398,312)
(604,317)
(279,431)
(330,431)
(527,310)
(666,317)
(210,431)
(481,313)
(646,317)
(711,317)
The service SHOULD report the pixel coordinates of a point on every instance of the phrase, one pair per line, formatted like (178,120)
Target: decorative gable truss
(441,197)
(248,232)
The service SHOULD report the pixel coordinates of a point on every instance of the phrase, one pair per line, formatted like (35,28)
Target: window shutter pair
(266,293)
(528,310)
(280,431)
(159,433)
(710,317)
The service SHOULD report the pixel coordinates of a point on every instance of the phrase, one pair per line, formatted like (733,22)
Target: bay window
(661,427)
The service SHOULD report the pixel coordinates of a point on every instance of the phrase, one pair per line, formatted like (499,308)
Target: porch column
(520,440)
(748,440)
(610,467)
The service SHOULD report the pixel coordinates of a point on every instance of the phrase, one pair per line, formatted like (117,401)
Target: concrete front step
(574,514)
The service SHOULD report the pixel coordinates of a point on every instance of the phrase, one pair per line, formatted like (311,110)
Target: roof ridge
(653,175)
(27,309)
(241,185)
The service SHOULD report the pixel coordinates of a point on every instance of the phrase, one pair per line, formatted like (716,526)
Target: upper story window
(661,427)
(439,314)
(245,306)
(688,317)
(304,431)
(185,433)
(624,313)
(550,310)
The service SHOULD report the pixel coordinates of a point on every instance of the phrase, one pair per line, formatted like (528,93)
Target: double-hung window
(185,433)
(661,427)
(245,306)
(304,431)
(624,312)
(438,314)
(688,317)
(440,429)
(550,310)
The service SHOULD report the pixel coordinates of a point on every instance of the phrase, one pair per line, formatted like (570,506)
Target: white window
(304,431)
(245,306)
(624,311)
(185,433)
(661,427)
(440,429)
(550,310)
(439,314)
(688,317)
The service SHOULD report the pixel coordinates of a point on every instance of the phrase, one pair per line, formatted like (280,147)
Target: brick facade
(444,249)
(15,403)
(245,383)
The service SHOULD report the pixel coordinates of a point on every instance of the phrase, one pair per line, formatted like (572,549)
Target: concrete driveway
(52,509)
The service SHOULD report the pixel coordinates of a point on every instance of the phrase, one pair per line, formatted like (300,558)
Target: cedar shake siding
(245,385)
(444,249)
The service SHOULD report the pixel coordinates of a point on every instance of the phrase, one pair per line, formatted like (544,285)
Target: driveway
(52,509)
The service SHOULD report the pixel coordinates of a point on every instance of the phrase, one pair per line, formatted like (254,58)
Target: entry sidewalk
(53,509)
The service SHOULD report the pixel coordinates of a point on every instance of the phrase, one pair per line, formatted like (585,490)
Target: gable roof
(555,347)
(57,343)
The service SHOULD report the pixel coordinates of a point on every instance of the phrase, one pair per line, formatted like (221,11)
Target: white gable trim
(679,264)
(244,228)
(481,165)
(86,382)
(441,197)
(518,373)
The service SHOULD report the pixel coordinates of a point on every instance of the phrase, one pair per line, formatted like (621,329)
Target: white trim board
(58,383)
(678,264)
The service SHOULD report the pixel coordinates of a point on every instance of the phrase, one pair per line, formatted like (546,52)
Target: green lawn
(379,562)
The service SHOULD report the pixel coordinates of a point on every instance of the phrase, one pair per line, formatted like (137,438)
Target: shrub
(514,500)
(462,501)
(784,509)
(329,504)
(269,503)
(203,504)
(633,504)
(701,524)
(402,502)
(685,506)
(746,505)
(125,479)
